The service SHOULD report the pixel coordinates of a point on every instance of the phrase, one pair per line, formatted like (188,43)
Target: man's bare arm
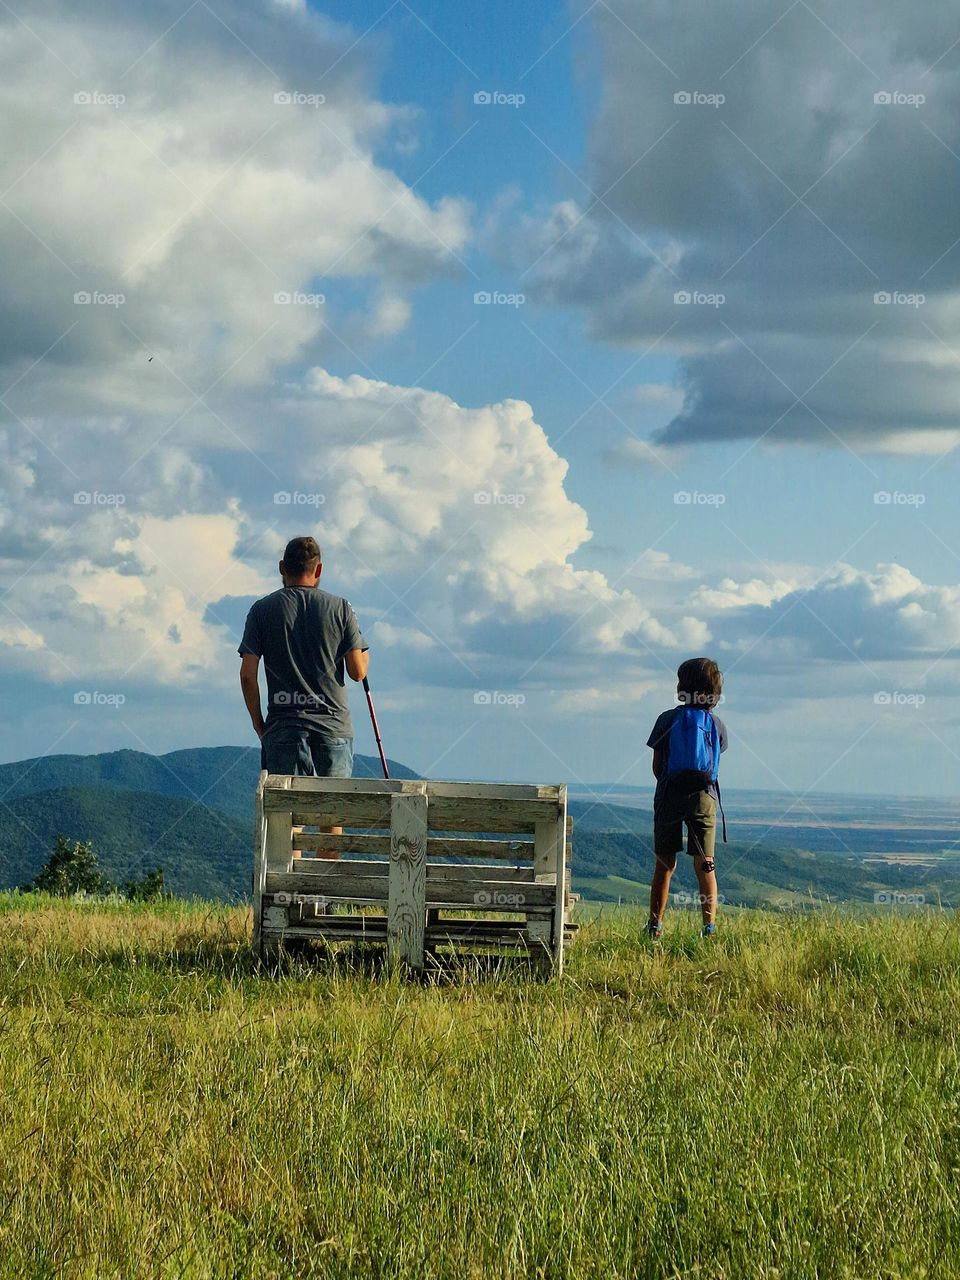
(250,684)
(357,663)
(658,754)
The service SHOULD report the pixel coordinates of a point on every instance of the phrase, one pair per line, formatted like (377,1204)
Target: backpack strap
(723,816)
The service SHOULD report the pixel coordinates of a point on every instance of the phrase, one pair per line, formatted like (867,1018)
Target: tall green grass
(779,1102)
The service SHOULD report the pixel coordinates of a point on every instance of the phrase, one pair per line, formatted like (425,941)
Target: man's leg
(280,753)
(330,758)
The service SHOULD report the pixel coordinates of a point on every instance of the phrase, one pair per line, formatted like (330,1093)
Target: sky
(584,337)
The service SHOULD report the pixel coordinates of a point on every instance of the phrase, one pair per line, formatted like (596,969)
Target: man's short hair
(301,556)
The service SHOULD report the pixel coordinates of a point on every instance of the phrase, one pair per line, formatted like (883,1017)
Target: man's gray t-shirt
(302,635)
(658,738)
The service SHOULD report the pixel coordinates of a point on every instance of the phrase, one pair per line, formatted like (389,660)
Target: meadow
(782,1101)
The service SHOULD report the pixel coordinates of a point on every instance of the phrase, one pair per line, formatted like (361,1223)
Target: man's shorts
(698,810)
(292,748)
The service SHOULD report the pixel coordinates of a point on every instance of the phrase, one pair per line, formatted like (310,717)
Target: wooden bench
(407,861)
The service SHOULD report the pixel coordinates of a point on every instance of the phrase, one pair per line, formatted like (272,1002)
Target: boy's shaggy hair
(699,682)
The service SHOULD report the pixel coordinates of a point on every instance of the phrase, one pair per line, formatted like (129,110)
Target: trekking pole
(376,727)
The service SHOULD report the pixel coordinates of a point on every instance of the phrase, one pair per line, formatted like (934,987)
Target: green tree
(148,889)
(71,868)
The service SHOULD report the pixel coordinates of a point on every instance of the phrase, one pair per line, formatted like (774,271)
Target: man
(307,640)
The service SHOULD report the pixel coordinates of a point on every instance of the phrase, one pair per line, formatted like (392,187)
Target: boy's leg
(660,888)
(667,842)
(702,840)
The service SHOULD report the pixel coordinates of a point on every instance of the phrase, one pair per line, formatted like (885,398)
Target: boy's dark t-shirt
(302,635)
(658,738)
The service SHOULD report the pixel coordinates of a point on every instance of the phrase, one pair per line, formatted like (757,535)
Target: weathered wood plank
(278,842)
(482,933)
(437,846)
(476,873)
(562,905)
(406,909)
(277,782)
(308,840)
(491,791)
(463,847)
(321,809)
(453,813)
(492,895)
(355,928)
(335,884)
(259,864)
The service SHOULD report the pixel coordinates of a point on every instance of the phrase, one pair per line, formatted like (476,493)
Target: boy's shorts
(698,810)
(297,749)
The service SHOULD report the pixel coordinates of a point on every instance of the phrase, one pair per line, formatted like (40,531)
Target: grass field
(781,1102)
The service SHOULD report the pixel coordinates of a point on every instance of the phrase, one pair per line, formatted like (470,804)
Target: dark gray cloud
(798,198)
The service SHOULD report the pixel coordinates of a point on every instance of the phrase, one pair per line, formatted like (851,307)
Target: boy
(687,741)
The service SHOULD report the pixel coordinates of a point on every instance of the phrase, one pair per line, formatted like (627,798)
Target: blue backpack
(693,746)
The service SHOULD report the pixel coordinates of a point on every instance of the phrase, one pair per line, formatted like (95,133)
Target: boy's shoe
(708,931)
(654,930)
